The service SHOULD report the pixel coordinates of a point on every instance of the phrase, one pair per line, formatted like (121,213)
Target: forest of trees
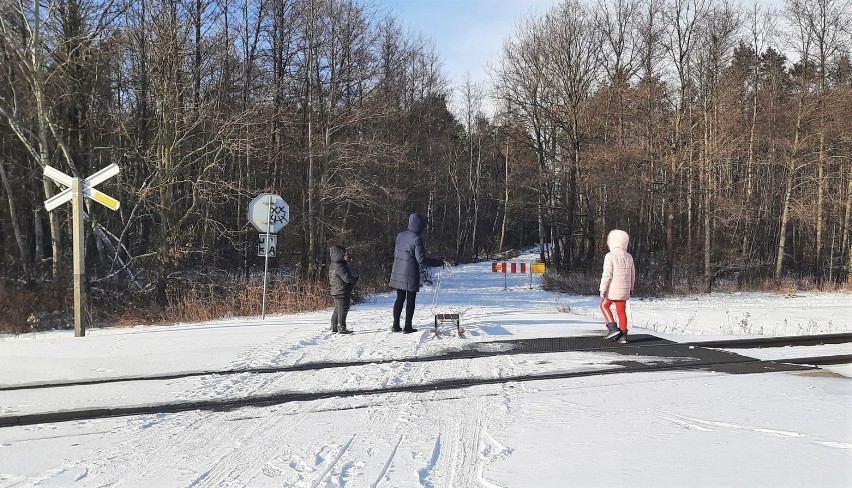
(718,135)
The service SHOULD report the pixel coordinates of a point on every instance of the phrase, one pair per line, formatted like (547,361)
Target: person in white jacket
(617,282)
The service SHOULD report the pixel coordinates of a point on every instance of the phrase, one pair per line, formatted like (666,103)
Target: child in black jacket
(342,282)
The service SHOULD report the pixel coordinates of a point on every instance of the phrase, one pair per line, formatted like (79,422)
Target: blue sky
(468,34)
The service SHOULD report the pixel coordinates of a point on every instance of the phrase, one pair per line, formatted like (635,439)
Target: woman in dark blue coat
(408,256)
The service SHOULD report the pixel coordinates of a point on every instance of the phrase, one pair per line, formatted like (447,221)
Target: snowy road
(664,428)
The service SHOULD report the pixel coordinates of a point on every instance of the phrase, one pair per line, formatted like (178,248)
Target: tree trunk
(785,217)
(196,71)
(13,217)
(788,187)
(506,200)
(311,214)
(476,179)
(706,192)
(750,225)
(820,210)
(847,232)
(543,255)
(44,154)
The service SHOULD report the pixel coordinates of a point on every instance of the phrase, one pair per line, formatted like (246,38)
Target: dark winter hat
(336,253)
(416,223)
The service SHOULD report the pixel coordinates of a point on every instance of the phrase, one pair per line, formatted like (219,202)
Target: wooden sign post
(77,189)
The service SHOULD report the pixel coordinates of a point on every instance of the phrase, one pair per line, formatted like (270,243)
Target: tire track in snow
(331,465)
(466,460)
(185,443)
(461,451)
(491,451)
(245,447)
(131,460)
(451,461)
(43,477)
(264,436)
(712,425)
(835,445)
(265,456)
(183,440)
(699,423)
(687,425)
(384,470)
(288,343)
(425,473)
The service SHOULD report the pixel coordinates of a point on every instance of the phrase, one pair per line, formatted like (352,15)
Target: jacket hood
(336,253)
(416,223)
(617,239)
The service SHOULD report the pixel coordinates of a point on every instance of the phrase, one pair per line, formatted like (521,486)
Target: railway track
(496,348)
(685,356)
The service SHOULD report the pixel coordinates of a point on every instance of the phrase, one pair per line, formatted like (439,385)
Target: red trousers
(620,309)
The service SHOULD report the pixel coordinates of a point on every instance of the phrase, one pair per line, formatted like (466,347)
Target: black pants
(409,297)
(338,317)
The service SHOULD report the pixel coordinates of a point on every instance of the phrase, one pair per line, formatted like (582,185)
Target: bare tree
(617,20)
(825,22)
(575,51)
(684,17)
(524,92)
(717,35)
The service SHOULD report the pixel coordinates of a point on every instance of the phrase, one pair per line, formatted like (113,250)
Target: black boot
(622,338)
(396,327)
(344,330)
(408,328)
(612,330)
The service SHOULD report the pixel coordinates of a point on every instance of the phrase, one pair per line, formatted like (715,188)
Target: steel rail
(742,366)
(475,350)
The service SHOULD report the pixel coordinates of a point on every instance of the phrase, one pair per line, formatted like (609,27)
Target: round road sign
(265,219)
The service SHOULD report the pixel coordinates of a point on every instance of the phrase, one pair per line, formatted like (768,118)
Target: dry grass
(650,284)
(14,310)
(574,283)
(31,310)
(199,304)
(26,310)
(588,283)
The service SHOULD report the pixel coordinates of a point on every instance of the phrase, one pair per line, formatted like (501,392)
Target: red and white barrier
(507,267)
(515,267)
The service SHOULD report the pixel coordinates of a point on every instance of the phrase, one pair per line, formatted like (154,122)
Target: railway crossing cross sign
(88,187)
(74,192)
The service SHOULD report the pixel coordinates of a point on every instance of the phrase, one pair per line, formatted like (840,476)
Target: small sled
(440,318)
(448,317)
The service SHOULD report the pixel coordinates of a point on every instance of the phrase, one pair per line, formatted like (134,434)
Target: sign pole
(266,256)
(79,255)
(76,190)
(505,277)
(261,219)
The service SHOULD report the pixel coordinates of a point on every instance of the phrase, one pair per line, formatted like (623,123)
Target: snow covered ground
(669,428)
